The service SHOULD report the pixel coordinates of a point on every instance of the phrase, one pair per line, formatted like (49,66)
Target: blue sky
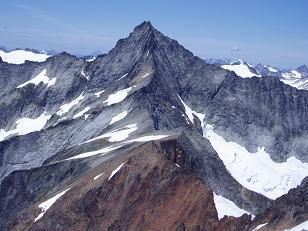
(272,32)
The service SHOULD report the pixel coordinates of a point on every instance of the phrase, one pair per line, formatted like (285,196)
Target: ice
(81,113)
(301,227)
(66,107)
(252,170)
(47,204)
(115,171)
(227,207)
(20,56)
(97,176)
(42,77)
(98,94)
(259,227)
(118,117)
(241,70)
(117,97)
(26,125)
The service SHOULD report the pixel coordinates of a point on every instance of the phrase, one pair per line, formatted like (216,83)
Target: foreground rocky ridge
(137,92)
(149,192)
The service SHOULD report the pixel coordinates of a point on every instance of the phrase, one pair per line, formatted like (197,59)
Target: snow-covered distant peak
(241,68)
(20,56)
(271,69)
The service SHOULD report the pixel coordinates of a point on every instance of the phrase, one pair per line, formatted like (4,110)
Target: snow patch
(252,170)
(241,70)
(301,227)
(118,117)
(26,125)
(47,204)
(144,76)
(97,176)
(190,113)
(84,75)
(79,114)
(115,171)
(98,94)
(118,134)
(66,107)
(227,207)
(123,76)
(259,227)
(42,77)
(94,153)
(20,56)
(91,59)
(117,97)
(147,138)
(271,69)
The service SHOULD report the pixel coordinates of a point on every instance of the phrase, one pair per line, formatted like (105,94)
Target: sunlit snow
(26,125)
(98,176)
(190,113)
(301,227)
(241,70)
(66,107)
(118,117)
(84,75)
(115,171)
(259,227)
(147,138)
(123,76)
(117,134)
(42,77)
(20,56)
(47,204)
(94,153)
(227,207)
(98,94)
(257,171)
(117,97)
(81,113)
(271,69)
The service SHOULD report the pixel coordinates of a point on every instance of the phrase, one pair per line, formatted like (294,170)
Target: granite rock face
(136,91)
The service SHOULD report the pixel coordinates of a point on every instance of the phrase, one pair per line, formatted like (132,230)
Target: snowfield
(226,207)
(241,70)
(42,77)
(118,117)
(26,125)
(47,204)
(20,56)
(117,97)
(115,171)
(66,107)
(257,171)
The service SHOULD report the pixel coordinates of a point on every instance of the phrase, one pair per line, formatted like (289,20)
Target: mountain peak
(144,26)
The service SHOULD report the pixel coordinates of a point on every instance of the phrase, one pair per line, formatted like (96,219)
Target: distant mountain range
(297,77)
